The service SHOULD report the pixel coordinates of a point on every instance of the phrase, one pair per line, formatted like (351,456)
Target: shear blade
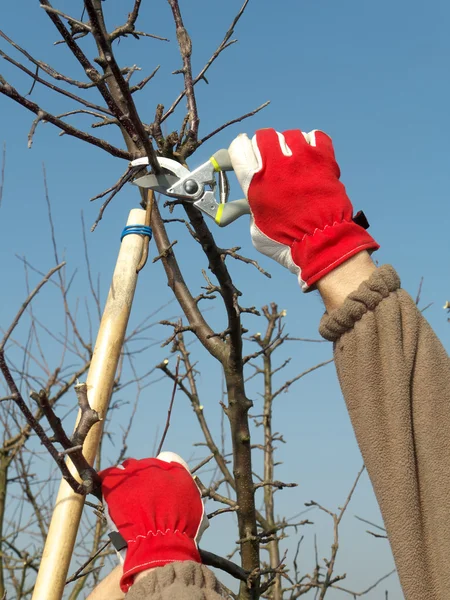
(158,183)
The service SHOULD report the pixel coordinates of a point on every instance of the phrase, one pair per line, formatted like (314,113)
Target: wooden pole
(69,506)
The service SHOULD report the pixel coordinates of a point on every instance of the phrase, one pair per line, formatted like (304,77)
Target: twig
(75,576)
(222,46)
(34,124)
(169,412)
(139,86)
(128,118)
(248,261)
(138,34)
(74,446)
(25,305)
(115,189)
(370,523)
(286,386)
(8,90)
(180,289)
(80,24)
(37,428)
(419,291)
(221,511)
(88,418)
(129,27)
(139,137)
(329,580)
(232,122)
(52,73)
(61,437)
(201,464)
(10,397)
(185,45)
(132,17)
(277,484)
(369,589)
(165,253)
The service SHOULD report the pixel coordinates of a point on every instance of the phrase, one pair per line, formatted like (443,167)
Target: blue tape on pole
(138,229)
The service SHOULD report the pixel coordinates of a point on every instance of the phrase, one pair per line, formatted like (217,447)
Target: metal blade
(158,183)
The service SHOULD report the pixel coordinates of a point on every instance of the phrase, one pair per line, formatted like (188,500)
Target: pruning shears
(198,186)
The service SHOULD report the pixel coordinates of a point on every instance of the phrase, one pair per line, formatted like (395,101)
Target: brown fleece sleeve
(178,581)
(395,377)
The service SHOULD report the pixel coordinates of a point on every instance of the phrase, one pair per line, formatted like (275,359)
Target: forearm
(337,285)
(395,377)
(109,588)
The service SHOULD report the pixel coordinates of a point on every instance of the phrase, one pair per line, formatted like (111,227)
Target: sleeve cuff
(366,298)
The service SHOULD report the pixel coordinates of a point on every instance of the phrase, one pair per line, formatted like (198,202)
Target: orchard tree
(107,95)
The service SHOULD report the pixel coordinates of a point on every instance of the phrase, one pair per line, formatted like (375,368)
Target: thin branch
(201,464)
(74,446)
(10,397)
(329,580)
(8,90)
(232,122)
(124,117)
(185,45)
(129,27)
(276,484)
(169,412)
(80,24)
(139,86)
(132,17)
(115,189)
(80,111)
(181,291)
(419,291)
(287,385)
(248,261)
(37,428)
(222,46)
(138,34)
(366,591)
(78,572)
(40,65)
(221,511)
(140,137)
(25,305)
(42,401)
(370,523)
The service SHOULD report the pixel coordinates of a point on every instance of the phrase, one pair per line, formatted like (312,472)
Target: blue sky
(373,76)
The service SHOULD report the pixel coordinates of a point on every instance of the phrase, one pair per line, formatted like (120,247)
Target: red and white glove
(301,214)
(156,506)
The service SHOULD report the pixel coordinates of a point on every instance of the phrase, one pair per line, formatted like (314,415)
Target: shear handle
(221,161)
(229,212)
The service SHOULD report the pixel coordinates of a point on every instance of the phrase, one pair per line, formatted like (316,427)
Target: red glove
(157,508)
(302,216)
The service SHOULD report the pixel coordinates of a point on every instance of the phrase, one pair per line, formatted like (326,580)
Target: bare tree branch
(139,135)
(80,24)
(25,305)
(222,46)
(232,122)
(185,45)
(7,90)
(169,412)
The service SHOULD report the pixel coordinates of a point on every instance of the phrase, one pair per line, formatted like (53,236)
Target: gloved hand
(301,214)
(156,506)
